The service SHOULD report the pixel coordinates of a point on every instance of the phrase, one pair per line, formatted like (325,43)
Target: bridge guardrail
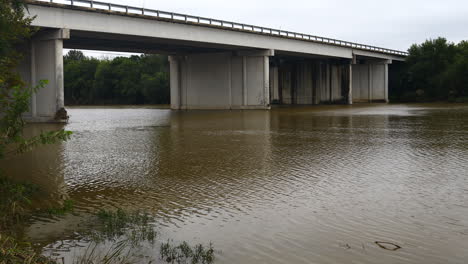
(183,18)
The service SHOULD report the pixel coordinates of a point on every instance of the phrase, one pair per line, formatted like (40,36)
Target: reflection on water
(290,185)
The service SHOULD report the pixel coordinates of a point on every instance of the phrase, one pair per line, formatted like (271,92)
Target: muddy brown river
(290,185)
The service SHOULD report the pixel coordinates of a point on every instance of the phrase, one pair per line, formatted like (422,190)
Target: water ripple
(301,185)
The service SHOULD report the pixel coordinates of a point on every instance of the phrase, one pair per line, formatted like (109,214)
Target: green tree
(14,29)
(105,82)
(425,74)
(458,74)
(154,88)
(15,95)
(155,79)
(135,80)
(127,86)
(79,72)
(74,55)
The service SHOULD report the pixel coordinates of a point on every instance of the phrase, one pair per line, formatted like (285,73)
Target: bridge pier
(317,81)
(350,84)
(175,81)
(43,60)
(370,81)
(226,80)
(311,81)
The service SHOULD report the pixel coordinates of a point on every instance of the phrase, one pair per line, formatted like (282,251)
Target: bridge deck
(109,8)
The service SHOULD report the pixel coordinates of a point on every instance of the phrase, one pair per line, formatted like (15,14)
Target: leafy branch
(13,105)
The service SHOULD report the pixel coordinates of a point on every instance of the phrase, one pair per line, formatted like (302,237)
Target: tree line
(140,79)
(436,70)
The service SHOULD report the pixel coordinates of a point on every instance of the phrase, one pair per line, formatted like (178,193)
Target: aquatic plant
(119,253)
(134,226)
(67,207)
(15,198)
(15,209)
(119,236)
(12,252)
(184,253)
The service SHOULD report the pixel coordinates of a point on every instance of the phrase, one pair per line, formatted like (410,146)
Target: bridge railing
(183,18)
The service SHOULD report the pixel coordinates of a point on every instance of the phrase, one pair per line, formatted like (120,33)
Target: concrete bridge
(214,64)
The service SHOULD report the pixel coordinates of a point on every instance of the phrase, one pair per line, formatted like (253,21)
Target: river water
(290,185)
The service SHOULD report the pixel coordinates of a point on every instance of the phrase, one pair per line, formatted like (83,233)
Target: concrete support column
(230,82)
(46,63)
(370,82)
(33,81)
(274,91)
(350,85)
(175,83)
(244,81)
(266,80)
(386,83)
(319,89)
(329,79)
(59,77)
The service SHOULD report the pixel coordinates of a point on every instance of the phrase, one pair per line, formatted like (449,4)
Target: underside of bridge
(297,80)
(258,79)
(213,76)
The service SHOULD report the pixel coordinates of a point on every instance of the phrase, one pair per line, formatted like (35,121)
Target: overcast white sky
(392,24)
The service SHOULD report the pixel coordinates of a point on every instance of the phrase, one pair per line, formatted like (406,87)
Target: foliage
(434,70)
(12,252)
(118,253)
(117,237)
(15,198)
(458,74)
(79,74)
(75,55)
(13,105)
(14,29)
(184,253)
(120,235)
(67,207)
(15,201)
(136,80)
(15,97)
(14,93)
(134,226)
(14,101)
